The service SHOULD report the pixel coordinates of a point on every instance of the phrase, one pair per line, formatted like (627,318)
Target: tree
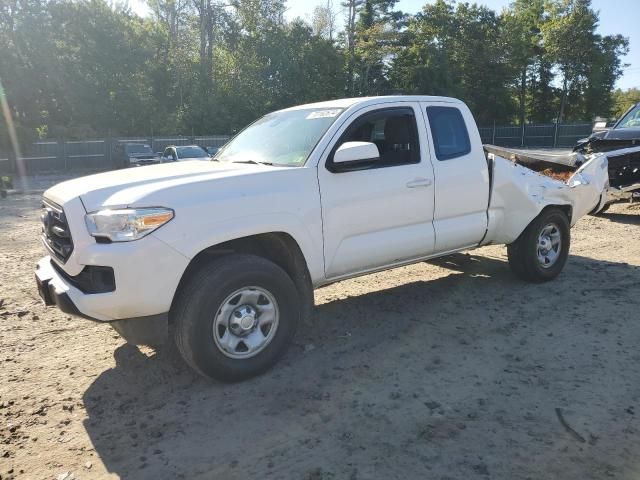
(623,99)
(323,20)
(376,41)
(352,7)
(521,26)
(457,52)
(83,68)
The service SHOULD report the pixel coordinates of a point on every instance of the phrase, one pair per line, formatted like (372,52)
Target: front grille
(624,170)
(55,231)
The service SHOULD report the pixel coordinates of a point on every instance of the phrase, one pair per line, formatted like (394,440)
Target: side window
(450,136)
(393,131)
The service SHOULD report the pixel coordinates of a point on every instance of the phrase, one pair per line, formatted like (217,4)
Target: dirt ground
(451,369)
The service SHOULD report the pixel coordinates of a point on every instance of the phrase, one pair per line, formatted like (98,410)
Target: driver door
(382,213)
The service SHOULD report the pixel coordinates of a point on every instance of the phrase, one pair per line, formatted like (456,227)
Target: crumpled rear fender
(519,195)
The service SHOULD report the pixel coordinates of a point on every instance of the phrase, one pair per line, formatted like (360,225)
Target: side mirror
(355,156)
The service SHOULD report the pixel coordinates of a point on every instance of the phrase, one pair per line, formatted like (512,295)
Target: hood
(622,134)
(126,187)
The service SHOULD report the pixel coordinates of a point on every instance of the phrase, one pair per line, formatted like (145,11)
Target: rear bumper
(55,290)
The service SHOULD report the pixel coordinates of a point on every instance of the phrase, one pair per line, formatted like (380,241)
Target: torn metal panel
(538,158)
(623,157)
(519,194)
(599,145)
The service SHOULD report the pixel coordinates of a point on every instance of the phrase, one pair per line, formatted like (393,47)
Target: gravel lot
(444,370)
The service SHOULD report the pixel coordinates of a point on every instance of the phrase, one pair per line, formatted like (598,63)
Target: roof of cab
(349,102)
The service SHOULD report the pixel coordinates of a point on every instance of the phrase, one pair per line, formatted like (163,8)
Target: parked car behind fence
(57,155)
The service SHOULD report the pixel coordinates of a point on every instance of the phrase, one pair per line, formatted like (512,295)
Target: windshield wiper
(253,162)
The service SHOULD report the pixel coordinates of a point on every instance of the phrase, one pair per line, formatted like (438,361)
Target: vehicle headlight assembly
(126,225)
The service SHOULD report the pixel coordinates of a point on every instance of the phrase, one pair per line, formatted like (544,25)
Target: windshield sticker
(323,114)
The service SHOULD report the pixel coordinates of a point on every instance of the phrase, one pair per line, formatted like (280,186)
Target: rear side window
(450,136)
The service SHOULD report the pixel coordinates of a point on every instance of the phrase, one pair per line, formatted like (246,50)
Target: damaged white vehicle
(230,251)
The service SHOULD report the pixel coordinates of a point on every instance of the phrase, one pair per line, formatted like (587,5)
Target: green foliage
(457,52)
(589,64)
(623,99)
(83,68)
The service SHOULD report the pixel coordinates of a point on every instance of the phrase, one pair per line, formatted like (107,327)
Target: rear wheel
(540,252)
(235,317)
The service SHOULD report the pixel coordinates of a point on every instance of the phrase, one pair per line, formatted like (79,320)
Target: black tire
(523,253)
(201,299)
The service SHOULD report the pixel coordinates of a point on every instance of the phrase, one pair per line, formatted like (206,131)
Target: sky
(616,16)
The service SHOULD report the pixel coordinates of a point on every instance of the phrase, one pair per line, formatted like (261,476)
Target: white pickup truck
(230,251)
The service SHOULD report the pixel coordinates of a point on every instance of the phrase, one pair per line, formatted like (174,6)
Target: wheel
(540,252)
(235,317)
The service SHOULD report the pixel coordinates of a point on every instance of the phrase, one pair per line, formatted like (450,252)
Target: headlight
(128,224)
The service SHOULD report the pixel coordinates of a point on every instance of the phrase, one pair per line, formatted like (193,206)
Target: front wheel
(540,252)
(235,317)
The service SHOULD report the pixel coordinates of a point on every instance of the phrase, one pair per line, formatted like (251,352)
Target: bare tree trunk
(351,47)
(210,42)
(331,19)
(202,7)
(563,99)
(523,90)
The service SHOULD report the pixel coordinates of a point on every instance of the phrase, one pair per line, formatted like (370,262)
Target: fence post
(62,155)
(107,153)
(493,134)
(13,162)
(522,136)
(555,135)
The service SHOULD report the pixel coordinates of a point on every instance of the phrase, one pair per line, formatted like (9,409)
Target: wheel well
(567,209)
(278,247)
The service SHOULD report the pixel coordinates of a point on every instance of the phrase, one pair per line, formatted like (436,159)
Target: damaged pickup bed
(620,159)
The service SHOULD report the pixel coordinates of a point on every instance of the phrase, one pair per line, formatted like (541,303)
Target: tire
(540,252)
(216,307)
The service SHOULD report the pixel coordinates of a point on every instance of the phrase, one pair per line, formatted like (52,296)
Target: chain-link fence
(545,135)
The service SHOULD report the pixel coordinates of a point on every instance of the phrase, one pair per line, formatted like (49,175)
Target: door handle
(419,182)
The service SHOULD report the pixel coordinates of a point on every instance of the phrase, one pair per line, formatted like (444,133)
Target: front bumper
(55,291)
(52,290)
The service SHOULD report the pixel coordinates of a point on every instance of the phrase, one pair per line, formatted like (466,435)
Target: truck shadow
(627,218)
(380,361)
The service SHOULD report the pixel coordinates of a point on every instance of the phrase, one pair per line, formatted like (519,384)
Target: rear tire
(235,317)
(540,252)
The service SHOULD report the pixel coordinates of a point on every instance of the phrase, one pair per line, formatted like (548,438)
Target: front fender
(200,236)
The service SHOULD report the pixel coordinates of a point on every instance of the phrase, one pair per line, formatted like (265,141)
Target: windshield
(631,119)
(138,148)
(190,152)
(280,138)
